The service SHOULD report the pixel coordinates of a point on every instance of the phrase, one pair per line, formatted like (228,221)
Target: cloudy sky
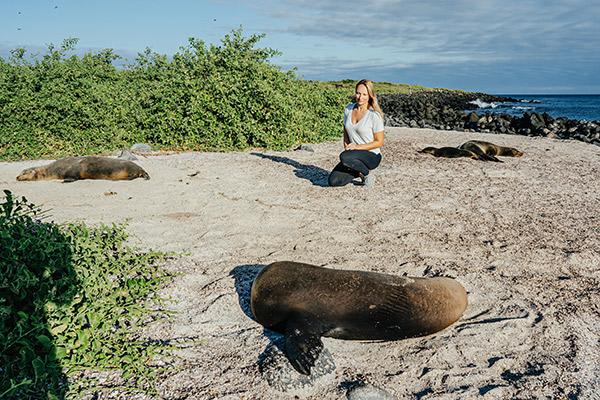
(495,46)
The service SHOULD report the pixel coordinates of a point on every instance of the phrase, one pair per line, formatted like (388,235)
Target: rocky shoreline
(448,110)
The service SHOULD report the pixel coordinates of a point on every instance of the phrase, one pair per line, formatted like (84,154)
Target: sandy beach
(522,236)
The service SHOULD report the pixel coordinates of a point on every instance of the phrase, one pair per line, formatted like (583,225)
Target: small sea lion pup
(449,152)
(89,167)
(490,149)
(305,302)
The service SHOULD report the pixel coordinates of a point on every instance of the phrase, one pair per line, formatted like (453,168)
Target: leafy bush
(72,298)
(205,98)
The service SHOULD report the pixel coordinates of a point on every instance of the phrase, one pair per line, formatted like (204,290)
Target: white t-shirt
(363,131)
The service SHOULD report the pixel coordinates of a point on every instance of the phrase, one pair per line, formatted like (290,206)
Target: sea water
(572,106)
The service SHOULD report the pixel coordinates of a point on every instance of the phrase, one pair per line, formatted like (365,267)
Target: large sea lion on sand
(305,302)
(490,149)
(88,167)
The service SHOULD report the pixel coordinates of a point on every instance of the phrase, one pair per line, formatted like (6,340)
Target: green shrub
(205,98)
(72,298)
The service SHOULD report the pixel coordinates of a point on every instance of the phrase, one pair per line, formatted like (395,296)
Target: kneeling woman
(363,137)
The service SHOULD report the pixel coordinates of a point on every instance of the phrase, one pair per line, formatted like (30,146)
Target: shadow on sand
(244,275)
(316,175)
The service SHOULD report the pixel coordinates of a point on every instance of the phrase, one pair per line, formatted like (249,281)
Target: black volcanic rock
(450,110)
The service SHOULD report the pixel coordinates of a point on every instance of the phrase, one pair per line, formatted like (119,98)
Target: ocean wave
(530,101)
(523,108)
(483,104)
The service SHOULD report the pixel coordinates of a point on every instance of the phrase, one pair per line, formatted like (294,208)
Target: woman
(363,137)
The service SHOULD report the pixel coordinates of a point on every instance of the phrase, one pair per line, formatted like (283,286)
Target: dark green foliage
(204,98)
(35,268)
(72,298)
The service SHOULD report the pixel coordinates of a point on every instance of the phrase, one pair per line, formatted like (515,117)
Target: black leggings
(352,164)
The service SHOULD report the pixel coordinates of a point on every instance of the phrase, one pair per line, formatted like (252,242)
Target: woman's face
(361,95)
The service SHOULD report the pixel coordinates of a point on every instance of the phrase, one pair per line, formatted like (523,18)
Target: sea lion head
(516,153)
(430,150)
(134,171)
(29,174)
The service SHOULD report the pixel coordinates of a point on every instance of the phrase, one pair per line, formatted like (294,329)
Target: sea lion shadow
(316,175)
(244,276)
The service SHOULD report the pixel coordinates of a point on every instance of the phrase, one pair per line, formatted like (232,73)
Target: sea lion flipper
(302,348)
(489,157)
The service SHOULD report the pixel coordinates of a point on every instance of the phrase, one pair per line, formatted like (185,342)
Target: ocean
(572,106)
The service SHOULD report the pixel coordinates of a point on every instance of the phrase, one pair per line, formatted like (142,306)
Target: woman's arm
(346,138)
(376,143)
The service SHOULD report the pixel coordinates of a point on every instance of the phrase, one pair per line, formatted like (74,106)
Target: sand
(522,236)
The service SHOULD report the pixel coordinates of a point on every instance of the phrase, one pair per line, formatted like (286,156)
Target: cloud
(554,41)
(446,27)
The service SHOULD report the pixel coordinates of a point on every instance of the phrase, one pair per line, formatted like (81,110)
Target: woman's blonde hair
(372,96)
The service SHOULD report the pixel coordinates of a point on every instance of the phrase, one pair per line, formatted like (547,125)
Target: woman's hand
(350,146)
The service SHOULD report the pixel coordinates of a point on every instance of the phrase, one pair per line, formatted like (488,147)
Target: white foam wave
(523,108)
(483,104)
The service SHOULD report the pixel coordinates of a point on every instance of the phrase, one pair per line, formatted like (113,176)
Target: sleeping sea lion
(490,149)
(449,152)
(89,167)
(474,148)
(305,302)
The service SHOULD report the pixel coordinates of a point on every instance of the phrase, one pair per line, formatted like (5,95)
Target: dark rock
(445,110)
(536,121)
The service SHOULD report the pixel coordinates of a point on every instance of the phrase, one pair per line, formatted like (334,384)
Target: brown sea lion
(89,167)
(449,152)
(481,154)
(305,302)
(490,149)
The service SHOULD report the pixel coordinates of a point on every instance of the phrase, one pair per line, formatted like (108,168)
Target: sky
(493,46)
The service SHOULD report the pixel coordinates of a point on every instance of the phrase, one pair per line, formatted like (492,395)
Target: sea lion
(481,154)
(305,302)
(449,152)
(490,149)
(88,167)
